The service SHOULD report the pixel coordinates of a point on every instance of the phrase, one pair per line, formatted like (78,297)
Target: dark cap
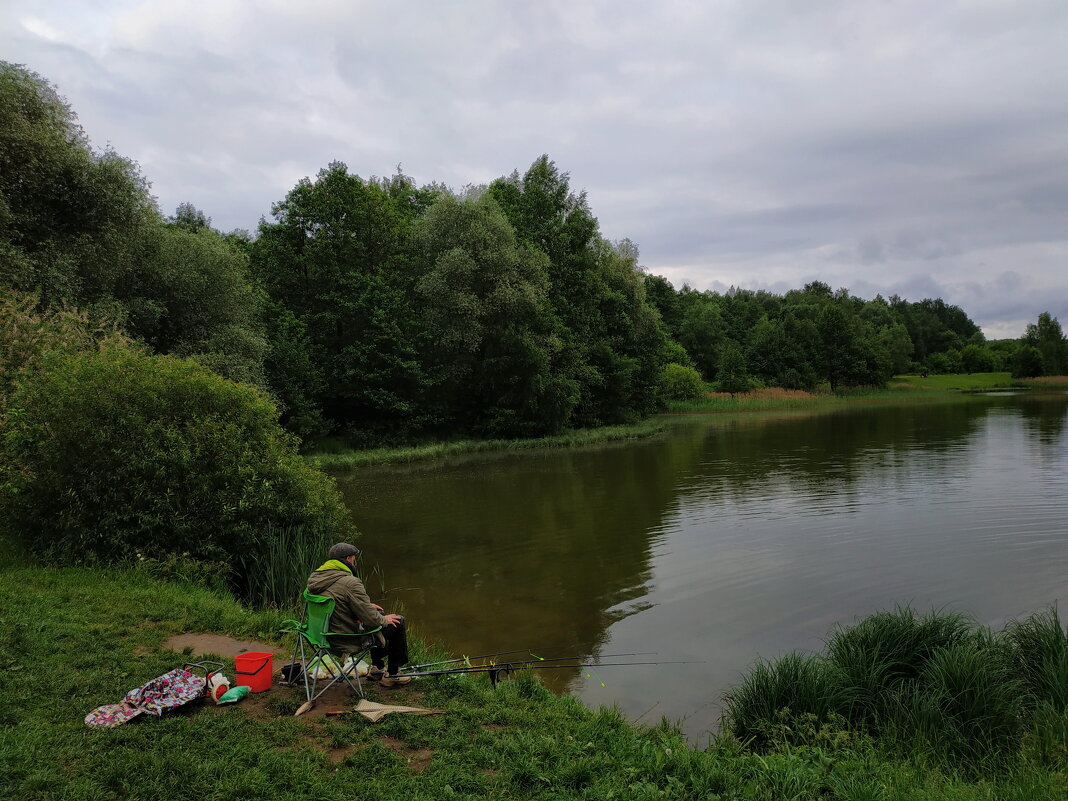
(342,551)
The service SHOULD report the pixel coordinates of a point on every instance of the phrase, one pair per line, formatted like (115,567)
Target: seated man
(336,579)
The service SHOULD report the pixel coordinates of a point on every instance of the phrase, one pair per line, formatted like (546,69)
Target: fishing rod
(409,669)
(506,668)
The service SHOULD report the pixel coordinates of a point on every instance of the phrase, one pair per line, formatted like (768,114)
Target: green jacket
(352,604)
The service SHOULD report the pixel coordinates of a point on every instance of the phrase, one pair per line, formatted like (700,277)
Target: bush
(883,651)
(679,382)
(117,452)
(793,686)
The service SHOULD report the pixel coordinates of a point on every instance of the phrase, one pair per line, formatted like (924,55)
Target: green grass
(967,382)
(935,688)
(903,389)
(335,456)
(73,638)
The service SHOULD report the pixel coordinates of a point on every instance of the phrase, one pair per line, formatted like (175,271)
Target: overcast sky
(888,146)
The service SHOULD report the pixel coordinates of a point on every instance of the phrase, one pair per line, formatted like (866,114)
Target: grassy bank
(74,638)
(902,390)
(336,456)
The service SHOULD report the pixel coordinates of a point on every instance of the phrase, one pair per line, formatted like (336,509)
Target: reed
(1039,650)
(934,688)
(335,458)
(804,684)
(275,574)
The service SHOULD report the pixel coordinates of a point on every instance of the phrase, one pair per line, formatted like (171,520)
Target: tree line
(387,311)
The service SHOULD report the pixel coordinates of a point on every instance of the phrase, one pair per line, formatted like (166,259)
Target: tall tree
(338,257)
(493,337)
(1047,337)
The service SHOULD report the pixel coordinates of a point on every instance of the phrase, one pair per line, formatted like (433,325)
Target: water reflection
(726,539)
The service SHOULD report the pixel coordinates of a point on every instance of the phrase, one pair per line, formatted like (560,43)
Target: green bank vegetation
(77,637)
(335,456)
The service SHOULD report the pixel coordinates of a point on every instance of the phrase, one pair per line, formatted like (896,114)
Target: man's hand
(379,608)
(392,620)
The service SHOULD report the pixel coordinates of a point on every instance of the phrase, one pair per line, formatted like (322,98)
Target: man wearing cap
(354,614)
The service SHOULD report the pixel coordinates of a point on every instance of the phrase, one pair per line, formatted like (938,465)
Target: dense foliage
(79,227)
(113,451)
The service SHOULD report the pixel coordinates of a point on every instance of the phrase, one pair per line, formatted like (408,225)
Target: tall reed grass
(276,573)
(935,685)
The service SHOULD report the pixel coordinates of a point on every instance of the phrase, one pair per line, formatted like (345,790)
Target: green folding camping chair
(317,653)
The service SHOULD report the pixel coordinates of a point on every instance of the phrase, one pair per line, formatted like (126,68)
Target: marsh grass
(334,456)
(275,574)
(773,399)
(1038,647)
(934,687)
(804,684)
(73,638)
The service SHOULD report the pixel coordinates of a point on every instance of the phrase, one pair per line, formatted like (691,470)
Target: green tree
(192,296)
(493,338)
(596,292)
(894,339)
(733,377)
(1027,362)
(1046,335)
(976,359)
(842,360)
(701,331)
(340,258)
(71,219)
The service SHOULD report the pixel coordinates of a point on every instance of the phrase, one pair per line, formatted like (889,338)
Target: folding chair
(313,633)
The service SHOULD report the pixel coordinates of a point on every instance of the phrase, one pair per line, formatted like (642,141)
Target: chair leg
(335,677)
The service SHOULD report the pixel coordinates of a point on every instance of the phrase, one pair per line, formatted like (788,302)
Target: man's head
(343,552)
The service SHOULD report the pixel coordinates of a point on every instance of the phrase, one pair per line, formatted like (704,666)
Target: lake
(725,540)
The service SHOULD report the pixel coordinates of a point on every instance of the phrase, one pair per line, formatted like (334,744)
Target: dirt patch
(141,650)
(493,726)
(335,756)
(217,644)
(417,758)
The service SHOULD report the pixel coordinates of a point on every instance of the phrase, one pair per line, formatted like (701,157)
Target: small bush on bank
(117,452)
(804,684)
(679,382)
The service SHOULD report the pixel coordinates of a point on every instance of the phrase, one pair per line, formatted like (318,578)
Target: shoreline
(335,457)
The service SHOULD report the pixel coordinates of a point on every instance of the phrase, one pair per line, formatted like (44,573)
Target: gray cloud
(900,147)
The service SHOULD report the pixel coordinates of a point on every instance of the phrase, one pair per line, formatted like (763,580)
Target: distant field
(958,381)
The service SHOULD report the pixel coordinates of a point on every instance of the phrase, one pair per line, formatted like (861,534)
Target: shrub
(117,452)
(1039,650)
(884,650)
(28,334)
(979,701)
(801,684)
(679,382)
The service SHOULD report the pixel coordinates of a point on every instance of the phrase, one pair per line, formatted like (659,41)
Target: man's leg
(396,650)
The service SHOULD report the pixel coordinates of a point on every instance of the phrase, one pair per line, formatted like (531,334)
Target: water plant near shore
(936,684)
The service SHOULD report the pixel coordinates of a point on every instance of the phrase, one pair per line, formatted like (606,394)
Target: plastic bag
(235,694)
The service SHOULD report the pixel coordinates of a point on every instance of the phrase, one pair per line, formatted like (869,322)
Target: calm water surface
(725,540)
